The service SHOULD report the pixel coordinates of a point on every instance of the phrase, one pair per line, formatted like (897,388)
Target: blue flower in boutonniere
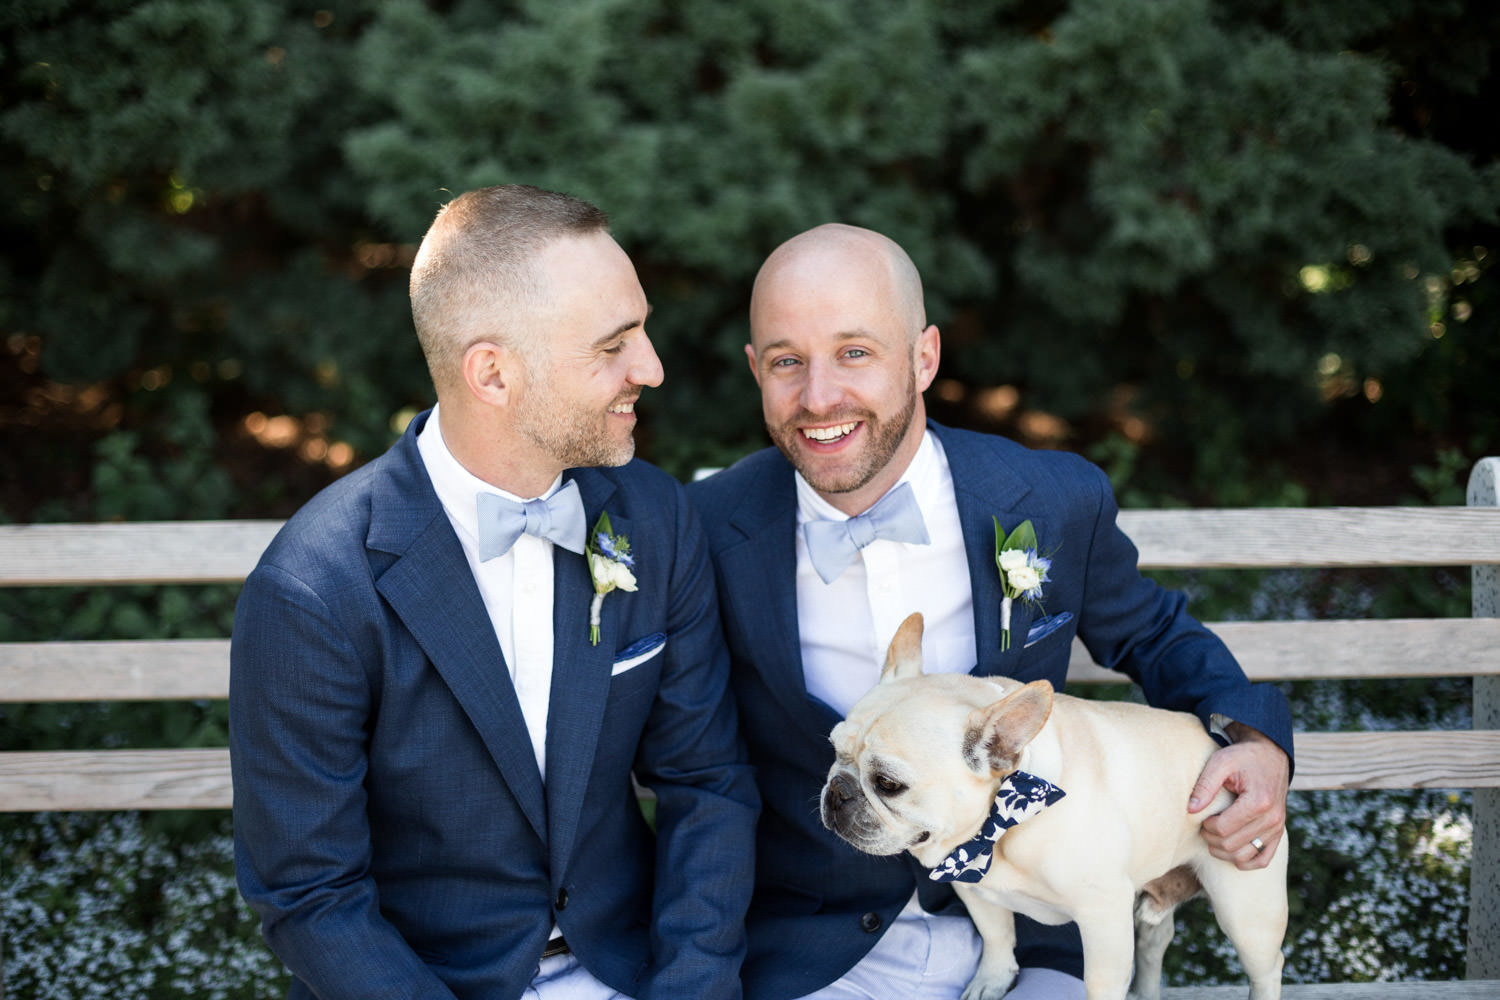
(610,565)
(1022,571)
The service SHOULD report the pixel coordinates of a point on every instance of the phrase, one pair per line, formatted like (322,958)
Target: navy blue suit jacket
(392,829)
(819,905)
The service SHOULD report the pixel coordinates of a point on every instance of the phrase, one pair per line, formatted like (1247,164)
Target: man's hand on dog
(1255,770)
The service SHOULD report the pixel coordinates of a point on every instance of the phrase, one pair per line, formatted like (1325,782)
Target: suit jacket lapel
(987,487)
(580,670)
(763,600)
(431,588)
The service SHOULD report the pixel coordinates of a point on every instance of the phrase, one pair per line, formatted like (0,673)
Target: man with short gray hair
(451,666)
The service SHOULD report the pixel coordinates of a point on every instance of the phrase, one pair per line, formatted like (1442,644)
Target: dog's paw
(988,985)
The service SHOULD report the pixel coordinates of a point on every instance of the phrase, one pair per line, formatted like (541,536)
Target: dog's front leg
(996,925)
(1108,933)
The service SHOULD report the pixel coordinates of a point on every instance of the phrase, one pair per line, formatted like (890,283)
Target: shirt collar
(457,487)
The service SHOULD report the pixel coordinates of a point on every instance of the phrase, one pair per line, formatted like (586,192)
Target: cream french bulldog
(1055,807)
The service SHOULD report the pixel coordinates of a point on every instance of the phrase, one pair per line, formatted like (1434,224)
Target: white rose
(609,574)
(1024,578)
(621,576)
(1012,559)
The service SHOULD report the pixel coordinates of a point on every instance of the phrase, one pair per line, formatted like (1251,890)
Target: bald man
(842,351)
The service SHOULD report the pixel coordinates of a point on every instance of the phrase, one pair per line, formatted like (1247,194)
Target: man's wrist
(1238,732)
(1219,725)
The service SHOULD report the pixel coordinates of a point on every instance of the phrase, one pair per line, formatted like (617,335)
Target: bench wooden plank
(1331,650)
(1272,537)
(148,552)
(183,669)
(1457,758)
(1247,538)
(78,780)
(1453,989)
(161,670)
(199,779)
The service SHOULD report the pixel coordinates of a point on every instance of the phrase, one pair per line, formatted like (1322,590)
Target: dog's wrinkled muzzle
(847,813)
(837,795)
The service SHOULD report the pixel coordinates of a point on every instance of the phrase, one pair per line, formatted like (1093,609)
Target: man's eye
(888,786)
(856,353)
(615,348)
(783,362)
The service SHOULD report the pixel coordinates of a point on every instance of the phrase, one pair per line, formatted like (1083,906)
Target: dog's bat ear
(904,658)
(997,734)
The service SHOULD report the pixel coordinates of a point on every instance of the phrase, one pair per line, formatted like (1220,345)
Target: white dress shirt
(516,587)
(846,626)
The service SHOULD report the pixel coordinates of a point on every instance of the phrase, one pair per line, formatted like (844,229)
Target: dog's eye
(888,786)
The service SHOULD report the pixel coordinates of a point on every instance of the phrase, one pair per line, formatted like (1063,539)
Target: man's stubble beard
(885,439)
(576,439)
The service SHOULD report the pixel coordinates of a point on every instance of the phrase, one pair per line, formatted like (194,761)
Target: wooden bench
(97,555)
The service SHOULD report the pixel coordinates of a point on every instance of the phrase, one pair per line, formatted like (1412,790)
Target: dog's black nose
(840,791)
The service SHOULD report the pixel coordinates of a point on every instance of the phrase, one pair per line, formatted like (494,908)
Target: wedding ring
(1258,844)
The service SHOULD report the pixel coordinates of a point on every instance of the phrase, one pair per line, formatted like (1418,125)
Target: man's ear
(754,367)
(928,353)
(491,372)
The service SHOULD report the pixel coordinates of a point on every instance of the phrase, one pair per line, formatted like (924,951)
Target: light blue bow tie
(559,519)
(832,545)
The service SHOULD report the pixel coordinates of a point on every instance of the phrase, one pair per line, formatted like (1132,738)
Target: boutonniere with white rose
(1022,571)
(610,566)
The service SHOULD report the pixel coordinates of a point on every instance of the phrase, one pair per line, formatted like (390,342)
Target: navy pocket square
(1043,627)
(639,652)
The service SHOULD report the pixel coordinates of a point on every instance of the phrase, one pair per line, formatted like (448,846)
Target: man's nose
(820,389)
(645,366)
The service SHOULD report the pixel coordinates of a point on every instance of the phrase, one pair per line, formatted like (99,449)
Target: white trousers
(926,957)
(562,977)
(922,957)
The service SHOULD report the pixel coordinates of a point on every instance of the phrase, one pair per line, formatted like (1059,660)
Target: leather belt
(556,946)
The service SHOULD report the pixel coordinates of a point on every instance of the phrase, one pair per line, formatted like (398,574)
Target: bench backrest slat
(183,669)
(1277,537)
(81,780)
(199,779)
(146,552)
(1458,758)
(1247,538)
(140,670)
(1344,650)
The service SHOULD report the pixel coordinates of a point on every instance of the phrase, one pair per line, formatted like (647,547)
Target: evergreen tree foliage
(1223,226)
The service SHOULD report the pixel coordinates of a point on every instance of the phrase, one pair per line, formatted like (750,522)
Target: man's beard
(576,438)
(884,438)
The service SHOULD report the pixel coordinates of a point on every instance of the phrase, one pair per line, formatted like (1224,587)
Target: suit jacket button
(870,922)
(561,903)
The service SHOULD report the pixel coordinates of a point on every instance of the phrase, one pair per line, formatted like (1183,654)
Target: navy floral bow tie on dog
(1021,796)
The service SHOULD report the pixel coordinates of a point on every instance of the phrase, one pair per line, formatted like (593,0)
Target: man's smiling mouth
(824,435)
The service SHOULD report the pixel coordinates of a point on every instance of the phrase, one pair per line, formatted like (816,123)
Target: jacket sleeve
(299,702)
(691,755)
(1134,625)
